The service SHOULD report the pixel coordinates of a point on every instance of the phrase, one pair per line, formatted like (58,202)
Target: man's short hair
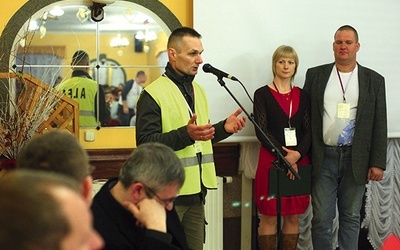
(348,27)
(176,38)
(140,73)
(31,216)
(80,57)
(153,164)
(56,151)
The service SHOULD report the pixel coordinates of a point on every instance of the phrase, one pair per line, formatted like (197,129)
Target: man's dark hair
(177,35)
(348,27)
(140,73)
(80,57)
(55,151)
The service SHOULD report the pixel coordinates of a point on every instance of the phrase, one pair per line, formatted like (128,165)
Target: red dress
(271,110)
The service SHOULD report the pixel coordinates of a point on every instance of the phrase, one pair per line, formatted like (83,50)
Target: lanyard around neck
(283,103)
(341,83)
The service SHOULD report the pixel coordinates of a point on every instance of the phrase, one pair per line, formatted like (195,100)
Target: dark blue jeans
(336,183)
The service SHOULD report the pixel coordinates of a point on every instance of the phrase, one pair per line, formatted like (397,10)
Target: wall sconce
(146,48)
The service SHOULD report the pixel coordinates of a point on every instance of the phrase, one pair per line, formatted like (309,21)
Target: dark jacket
(370,134)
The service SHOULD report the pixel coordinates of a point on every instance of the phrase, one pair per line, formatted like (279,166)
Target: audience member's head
(116,93)
(155,169)
(42,210)
(58,151)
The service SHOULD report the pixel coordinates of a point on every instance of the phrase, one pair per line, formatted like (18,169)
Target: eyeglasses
(150,192)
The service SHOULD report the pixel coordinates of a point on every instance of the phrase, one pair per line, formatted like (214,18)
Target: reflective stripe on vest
(175,115)
(86,113)
(192,161)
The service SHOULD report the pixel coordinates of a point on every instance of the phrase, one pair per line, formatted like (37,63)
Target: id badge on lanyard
(343,110)
(197,147)
(290,137)
(290,132)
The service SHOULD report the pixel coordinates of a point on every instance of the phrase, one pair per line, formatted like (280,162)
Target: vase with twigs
(23,110)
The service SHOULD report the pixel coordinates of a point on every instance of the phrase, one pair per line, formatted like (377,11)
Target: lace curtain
(41,62)
(382,203)
(382,208)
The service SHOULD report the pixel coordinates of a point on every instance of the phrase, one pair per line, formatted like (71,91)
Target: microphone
(210,69)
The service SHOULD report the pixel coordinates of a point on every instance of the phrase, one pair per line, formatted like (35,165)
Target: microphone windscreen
(207,67)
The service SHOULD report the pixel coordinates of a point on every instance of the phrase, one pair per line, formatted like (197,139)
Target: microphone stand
(280,165)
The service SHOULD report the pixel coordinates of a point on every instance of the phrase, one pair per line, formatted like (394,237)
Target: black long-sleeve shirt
(272,120)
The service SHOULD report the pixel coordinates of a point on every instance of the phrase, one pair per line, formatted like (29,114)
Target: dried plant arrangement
(26,102)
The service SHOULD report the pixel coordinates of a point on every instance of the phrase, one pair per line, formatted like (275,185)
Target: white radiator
(214,217)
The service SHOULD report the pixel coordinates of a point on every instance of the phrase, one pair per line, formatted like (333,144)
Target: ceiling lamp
(119,41)
(33,25)
(56,11)
(146,36)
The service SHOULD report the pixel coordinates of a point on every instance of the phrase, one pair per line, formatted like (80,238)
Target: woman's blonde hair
(284,51)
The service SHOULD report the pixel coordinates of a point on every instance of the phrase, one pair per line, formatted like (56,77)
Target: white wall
(239,38)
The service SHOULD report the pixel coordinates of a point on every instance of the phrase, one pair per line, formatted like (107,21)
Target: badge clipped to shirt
(197,147)
(343,110)
(290,137)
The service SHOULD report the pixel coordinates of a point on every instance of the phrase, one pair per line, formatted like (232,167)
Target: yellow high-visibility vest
(175,114)
(83,90)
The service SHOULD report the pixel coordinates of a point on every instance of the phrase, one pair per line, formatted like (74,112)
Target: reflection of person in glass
(128,98)
(84,90)
(283,113)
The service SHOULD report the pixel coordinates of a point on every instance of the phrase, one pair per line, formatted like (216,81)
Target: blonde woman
(283,113)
